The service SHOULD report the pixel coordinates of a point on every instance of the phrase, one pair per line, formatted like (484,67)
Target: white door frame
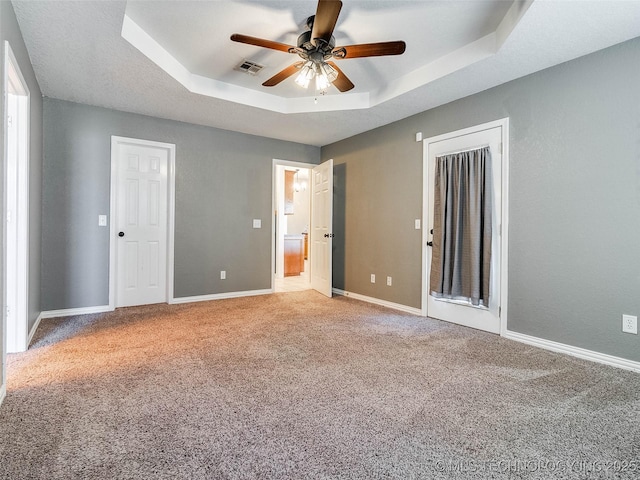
(16,333)
(504,260)
(171,203)
(274,208)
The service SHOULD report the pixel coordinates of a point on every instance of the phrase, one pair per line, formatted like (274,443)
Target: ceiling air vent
(249,67)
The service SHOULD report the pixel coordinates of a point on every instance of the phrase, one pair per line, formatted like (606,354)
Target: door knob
(121,234)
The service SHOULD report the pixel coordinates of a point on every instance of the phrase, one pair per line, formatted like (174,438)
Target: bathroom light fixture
(297,185)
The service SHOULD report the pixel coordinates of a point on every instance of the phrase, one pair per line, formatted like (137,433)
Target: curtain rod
(455,152)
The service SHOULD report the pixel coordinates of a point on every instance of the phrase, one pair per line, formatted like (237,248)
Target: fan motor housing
(304,42)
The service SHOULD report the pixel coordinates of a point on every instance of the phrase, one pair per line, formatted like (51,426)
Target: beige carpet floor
(298,386)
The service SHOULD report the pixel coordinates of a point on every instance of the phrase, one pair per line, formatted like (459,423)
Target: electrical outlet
(630,324)
(373,278)
(389,281)
(223,274)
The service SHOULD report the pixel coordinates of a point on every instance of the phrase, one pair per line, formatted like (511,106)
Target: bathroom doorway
(292,218)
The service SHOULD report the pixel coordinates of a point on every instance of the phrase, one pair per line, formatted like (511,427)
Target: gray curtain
(461,252)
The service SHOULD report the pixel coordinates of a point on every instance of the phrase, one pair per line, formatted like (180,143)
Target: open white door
(461,312)
(321,226)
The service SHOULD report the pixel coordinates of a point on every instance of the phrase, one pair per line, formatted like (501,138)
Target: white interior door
(460,312)
(141,224)
(321,228)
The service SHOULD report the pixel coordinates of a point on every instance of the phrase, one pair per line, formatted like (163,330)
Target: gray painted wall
(574,254)
(223,182)
(9,31)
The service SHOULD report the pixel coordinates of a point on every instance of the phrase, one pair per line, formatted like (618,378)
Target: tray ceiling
(174,59)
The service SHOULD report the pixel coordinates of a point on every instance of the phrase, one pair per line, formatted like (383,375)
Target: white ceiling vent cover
(249,67)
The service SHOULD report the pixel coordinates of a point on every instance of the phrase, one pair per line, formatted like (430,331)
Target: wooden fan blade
(325,20)
(283,74)
(342,83)
(261,42)
(370,50)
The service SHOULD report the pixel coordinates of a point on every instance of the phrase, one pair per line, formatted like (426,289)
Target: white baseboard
(3,391)
(33,329)
(377,301)
(574,351)
(198,298)
(519,337)
(75,311)
(221,296)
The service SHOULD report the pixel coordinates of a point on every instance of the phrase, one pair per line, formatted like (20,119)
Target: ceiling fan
(317,47)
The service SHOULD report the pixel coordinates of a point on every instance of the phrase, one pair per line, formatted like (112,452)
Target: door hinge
(501,150)
(500,311)
(9,120)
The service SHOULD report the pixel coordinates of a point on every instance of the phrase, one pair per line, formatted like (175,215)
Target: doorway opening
(292,219)
(16,259)
(320,230)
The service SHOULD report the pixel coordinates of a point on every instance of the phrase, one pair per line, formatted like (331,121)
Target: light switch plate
(417,224)
(102,220)
(257,223)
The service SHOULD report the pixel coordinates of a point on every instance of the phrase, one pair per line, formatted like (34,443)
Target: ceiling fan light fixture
(325,76)
(306,74)
(328,71)
(322,82)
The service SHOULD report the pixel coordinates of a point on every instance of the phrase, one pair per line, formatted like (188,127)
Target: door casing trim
(17,335)
(504,260)
(171,203)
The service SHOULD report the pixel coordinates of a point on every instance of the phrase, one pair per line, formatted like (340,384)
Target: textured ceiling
(79,55)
